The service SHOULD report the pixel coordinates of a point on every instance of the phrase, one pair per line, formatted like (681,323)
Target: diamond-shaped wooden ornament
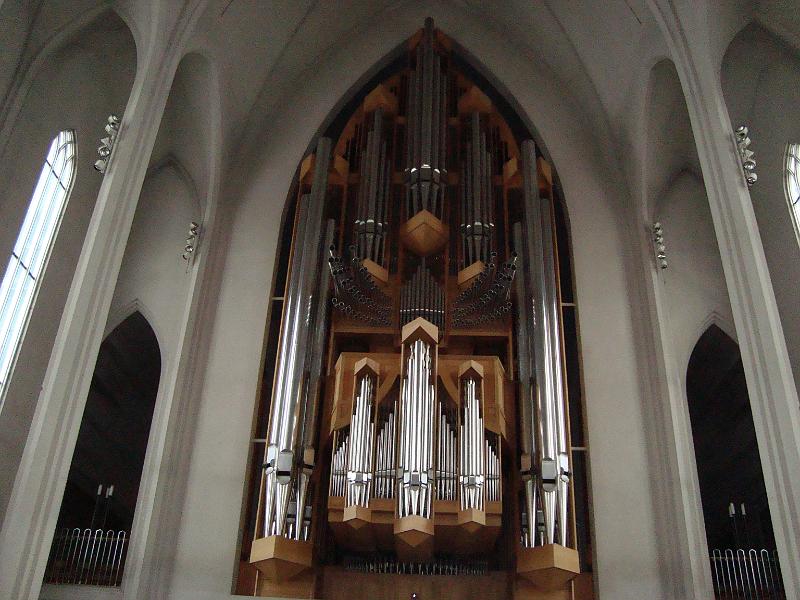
(471,520)
(549,567)
(356,516)
(280,558)
(413,537)
(424,234)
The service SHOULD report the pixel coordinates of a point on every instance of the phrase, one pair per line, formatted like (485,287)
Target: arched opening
(97,511)
(419,243)
(735,509)
(75,83)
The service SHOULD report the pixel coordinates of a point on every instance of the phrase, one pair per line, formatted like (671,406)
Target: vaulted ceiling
(598,51)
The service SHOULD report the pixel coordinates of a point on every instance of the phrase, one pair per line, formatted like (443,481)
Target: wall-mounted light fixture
(191,242)
(660,248)
(746,155)
(107,143)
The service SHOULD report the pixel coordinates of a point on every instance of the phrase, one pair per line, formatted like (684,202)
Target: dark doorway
(734,497)
(97,511)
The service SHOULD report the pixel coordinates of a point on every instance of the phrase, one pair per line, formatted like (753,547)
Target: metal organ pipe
(312,387)
(415,464)
(383,486)
(427,130)
(446,456)
(477,220)
(373,193)
(359,462)
(525,359)
(296,331)
(542,320)
(472,447)
(422,296)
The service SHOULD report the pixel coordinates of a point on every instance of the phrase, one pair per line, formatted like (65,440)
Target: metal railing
(741,574)
(87,557)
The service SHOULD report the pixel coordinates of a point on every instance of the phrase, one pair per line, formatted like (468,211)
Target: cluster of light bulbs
(107,143)
(658,240)
(746,155)
(191,241)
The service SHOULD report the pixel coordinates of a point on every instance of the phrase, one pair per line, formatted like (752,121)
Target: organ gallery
(416,420)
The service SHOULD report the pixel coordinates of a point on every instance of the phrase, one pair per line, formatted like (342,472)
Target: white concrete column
(32,513)
(771,387)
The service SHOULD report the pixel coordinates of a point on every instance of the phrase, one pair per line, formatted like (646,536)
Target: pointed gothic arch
(471,106)
(102,490)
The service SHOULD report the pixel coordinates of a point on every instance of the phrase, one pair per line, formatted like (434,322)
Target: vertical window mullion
(49,223)
(49,194)
(30,223)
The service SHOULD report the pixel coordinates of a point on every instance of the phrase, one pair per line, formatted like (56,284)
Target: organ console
(418,412)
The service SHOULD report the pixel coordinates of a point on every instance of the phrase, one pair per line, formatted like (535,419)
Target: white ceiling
(598,50)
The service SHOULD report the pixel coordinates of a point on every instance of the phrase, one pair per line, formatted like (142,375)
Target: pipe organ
(418,412)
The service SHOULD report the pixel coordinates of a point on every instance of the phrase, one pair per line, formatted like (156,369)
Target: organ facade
(418,417)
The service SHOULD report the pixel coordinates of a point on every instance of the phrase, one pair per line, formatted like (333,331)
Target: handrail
(87,557)
(746,574)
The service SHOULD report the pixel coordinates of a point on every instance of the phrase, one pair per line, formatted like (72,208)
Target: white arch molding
(771,387)
(28,528)
(598,243)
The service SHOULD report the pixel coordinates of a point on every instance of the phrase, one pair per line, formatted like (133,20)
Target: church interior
(400,299)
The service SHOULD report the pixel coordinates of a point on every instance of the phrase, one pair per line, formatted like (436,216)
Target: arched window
(792,182)
(32,248)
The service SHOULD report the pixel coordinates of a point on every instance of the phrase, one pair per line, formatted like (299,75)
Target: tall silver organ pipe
(527,385)
(415,464)
(359,460)
(314,362)
(471,456)
(373,194)
(552,463)
(427,130)
(300,301)
(477,205)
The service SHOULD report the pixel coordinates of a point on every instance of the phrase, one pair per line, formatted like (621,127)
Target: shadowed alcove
(103,484)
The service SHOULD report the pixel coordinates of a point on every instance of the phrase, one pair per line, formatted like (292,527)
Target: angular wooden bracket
(549,567)
(280,558)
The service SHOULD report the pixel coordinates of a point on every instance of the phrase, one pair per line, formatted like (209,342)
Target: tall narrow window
(792,182)
(32,248)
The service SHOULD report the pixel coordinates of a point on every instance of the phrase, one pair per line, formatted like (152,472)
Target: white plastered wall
(761,82)
(155,280)
(694,283)
(77,87)
(626,566)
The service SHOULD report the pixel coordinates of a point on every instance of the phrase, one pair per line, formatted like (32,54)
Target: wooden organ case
(417,423)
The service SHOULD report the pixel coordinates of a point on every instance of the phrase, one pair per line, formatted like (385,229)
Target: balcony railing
(741,574)
(87,557)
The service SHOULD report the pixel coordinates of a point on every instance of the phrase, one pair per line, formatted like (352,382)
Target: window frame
(792,153)
(33,247)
